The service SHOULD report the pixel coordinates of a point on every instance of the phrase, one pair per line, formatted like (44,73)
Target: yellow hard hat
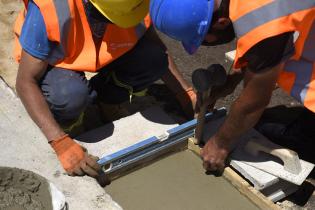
(123,13)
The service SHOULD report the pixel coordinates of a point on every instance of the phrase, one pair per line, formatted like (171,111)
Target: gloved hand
(74,158)
(187,100)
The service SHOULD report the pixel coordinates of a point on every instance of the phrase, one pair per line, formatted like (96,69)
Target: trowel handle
(289,157)
(201,117)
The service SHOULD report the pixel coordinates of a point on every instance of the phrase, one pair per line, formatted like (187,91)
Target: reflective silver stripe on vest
(63,13)
(303,68)
(269,12)
(140,29)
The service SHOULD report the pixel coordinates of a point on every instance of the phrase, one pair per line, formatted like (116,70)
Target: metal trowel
(269,157)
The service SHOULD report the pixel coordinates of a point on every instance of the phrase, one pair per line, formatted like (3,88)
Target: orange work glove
(187,99)
(73,158)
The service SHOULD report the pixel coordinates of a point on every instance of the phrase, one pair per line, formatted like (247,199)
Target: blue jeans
(68,93)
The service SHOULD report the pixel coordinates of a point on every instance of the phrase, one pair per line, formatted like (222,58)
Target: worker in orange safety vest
(57,41)
(275,44)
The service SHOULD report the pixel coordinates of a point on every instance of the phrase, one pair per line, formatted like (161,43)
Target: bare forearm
(239,120)
(31,70)
(174,79)
(248,108)
(38,109)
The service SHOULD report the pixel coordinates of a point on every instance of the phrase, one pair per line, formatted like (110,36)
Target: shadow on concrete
(154,115)
(294,129)
(303,197)
(167,101)
(281,114)
(291,127)
(97,134)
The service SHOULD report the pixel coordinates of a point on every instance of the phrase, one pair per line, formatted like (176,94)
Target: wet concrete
(23,190)
(177,182)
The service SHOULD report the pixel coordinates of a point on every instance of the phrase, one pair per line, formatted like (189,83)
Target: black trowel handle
(201,117)
(203,80)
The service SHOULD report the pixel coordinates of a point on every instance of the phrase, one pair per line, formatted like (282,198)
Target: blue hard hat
(185,20)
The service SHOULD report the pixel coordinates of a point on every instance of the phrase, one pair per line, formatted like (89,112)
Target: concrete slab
(269,163)
(126,131)
(258,178)
(24,146)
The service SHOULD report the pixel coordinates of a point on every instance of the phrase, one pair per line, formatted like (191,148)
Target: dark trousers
(68,92)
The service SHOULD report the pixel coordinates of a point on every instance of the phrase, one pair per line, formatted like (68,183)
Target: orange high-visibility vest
(67,25)
(257,20)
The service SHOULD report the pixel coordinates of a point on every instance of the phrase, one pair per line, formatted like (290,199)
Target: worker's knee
(67,93)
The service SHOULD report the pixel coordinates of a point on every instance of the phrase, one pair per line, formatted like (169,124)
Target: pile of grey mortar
(23,190)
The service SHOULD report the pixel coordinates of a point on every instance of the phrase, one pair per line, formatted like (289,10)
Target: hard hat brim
(126,20)
(192,46)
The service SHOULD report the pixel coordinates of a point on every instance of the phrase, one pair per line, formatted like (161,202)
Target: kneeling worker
(57,41)
(275,44)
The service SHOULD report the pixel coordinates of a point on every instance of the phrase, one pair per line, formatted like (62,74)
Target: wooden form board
(240,184)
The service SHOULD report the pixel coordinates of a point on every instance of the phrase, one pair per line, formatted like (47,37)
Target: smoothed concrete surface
(177,182)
